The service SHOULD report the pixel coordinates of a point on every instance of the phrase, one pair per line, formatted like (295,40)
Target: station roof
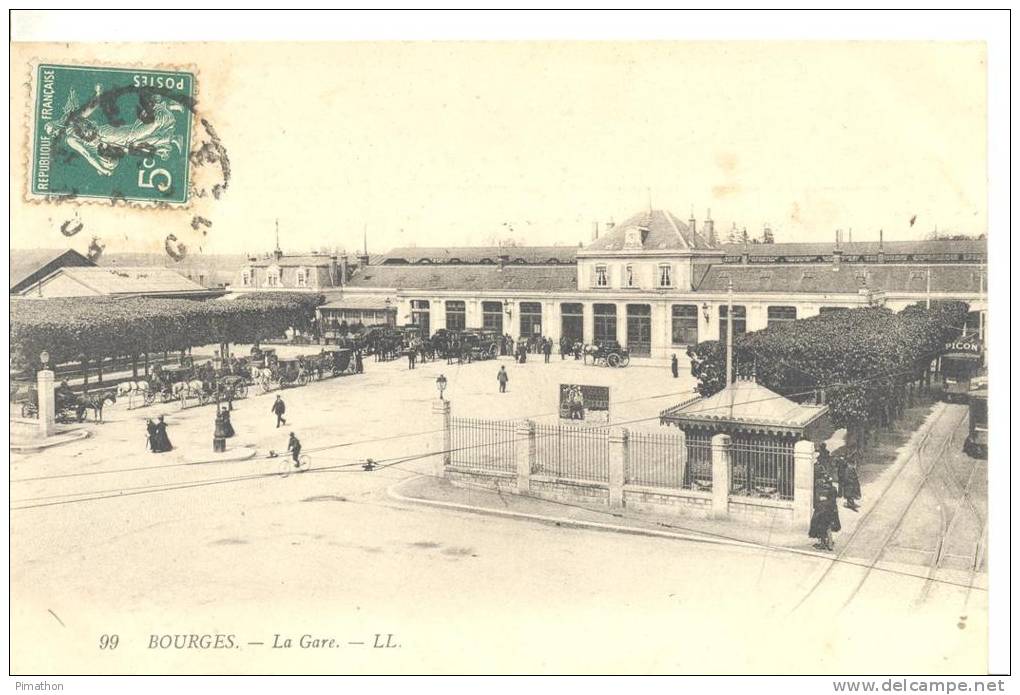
(940,250)
(478,255)
(829,278)
(31,265)
(656,230)
(138,280)
(474,277)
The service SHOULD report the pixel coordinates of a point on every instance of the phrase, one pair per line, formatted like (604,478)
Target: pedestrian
(824,460)
(160,440)
(675,366)
(228,427)
(825,518)
(294,447)
(359,365)
(278,409)
(150,433)
(547,349)
(502,377)
(849,483)
(412,353)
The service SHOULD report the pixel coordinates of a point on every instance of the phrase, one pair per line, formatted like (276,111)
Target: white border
(715,25)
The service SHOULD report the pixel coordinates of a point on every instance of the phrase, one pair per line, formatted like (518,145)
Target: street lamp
(44,357)
(441,385)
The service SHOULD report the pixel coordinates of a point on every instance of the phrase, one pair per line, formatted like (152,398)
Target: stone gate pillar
(444,442)
(47,403)
(803,482)
(721,476)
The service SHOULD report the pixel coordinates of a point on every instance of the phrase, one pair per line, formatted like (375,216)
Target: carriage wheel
(149,397)
(624,360)
(613,360)
(241,391)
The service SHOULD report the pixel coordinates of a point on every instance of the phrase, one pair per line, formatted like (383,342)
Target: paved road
(136,544)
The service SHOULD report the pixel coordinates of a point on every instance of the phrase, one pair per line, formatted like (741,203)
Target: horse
(94,402)
(132,388)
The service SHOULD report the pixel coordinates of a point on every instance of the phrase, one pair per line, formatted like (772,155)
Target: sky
(444,144)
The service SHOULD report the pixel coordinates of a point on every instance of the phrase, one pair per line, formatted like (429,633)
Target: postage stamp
(115,133)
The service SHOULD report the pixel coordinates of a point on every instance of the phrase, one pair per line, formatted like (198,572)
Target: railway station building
(656,283)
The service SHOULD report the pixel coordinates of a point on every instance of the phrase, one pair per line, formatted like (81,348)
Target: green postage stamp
(114,133)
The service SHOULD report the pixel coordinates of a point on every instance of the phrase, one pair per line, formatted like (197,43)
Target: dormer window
(302,277)
(632,238)
(245,278)
(665,275)
(601,276)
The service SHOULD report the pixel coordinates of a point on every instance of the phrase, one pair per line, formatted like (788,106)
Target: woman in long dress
(160,440)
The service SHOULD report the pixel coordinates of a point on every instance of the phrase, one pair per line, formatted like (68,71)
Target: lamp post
(441,385)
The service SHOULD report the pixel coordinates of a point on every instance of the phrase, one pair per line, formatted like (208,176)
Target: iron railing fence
(573,453)
(657,460)
(761,467)
(698,472)
(486,445)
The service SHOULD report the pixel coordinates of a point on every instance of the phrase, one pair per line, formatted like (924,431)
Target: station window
(739,320)
(782,314)
(629,272)
(601,276)
(685,324)
(456,315)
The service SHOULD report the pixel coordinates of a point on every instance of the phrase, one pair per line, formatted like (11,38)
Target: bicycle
(288,466)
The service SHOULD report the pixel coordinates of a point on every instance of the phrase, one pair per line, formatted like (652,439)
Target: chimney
(345,271)
(692,223)
(504,258)
(595,232)
(710,230)
(745,255)
(334,272)
(837,253)
(363,260)
(881,247)
(277,253)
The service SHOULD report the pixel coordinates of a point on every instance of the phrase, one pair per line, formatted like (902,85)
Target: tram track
(868,518)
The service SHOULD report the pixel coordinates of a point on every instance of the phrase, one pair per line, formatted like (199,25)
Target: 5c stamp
(114,133)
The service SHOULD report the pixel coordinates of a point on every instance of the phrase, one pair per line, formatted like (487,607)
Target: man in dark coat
(849,483)
(675,366)
(825,518)
(359,365)
(547,349)
(160,440)
(502,377)
(294,447)
(278,409)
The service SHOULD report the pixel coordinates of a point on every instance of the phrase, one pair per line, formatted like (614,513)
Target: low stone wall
(661,501)
(762,512)
(465,477)
(593,494)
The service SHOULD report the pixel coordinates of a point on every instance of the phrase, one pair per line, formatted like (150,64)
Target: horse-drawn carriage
(334,361)
(481,344)
(25,397)
(608,353)
(292,372)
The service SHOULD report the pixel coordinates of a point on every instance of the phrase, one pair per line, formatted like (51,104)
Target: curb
(391,491)
(63,438)
(244,454)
